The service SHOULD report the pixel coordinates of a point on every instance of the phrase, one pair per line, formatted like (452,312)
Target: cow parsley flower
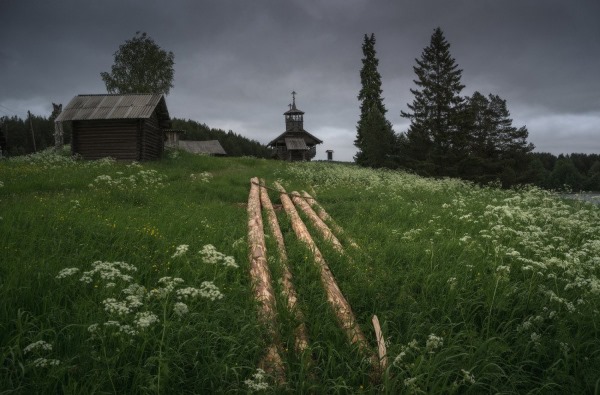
(210,255)
(468,377)
(180,250)
(434,342)
(114,306)
(38,345)
(180,309)
(145,319)
(69,271)
(258,381)
(44,363)
(210,291)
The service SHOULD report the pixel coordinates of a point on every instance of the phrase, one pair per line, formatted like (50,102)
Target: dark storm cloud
(237,61)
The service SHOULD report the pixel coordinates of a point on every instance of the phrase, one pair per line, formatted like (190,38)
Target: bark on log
(261,283)
(327,218)
(317,222)
(301,342)
(336,299)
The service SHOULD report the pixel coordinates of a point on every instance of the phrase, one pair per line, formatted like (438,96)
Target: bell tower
(294,118)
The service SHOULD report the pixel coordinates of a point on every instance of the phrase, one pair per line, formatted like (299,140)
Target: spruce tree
(369,128)
(435,137)
(494,144)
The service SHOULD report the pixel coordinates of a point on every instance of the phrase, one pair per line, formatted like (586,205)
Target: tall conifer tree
(434,138)
(372,125)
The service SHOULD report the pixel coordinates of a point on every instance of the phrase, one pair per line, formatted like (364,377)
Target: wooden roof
(110,106)
(209,147)
(289,134)
(295,144)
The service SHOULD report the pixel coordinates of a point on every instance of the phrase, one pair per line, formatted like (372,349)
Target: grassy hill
(478,289)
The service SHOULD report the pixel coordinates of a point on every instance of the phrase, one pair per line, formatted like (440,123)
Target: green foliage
(478,289)
(575,172)
(16,133)
(472,138)
(434,134)
(141,66)
(374,135)
(233,143)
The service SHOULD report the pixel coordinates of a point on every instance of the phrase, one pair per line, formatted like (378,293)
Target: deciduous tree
(141,66)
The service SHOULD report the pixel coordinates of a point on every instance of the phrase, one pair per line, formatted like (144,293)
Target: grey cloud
(236,62)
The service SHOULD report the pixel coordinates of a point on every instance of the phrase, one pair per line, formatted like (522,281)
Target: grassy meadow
(134,278)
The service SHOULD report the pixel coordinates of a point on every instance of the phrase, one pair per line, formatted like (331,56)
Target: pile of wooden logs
(261,277)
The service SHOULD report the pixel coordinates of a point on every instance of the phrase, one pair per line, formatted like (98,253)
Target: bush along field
(134,278)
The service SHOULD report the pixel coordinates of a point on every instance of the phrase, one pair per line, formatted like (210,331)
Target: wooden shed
(124,127)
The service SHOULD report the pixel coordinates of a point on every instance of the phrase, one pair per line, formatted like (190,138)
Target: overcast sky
(236,62)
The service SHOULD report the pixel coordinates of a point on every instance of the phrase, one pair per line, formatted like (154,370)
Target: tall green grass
(477,289)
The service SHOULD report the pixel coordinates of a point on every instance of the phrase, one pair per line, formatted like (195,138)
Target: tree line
(16,137)
(450,135)
(234,144)
(24,136)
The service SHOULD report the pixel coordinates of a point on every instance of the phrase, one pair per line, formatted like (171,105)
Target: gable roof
(288,134)
(210,147)
(110,106)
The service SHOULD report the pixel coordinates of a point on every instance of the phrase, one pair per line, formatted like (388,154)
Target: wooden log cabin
(124,127)
(295,144)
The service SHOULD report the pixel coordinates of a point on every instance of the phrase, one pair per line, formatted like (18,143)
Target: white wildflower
(114,306)
(134,301)
(452,281)
(210,291)
(187,293)
(44,363)
(134,289)
(93,328)
(38,345)
(434,342)
(180,309)
(258,381)
(128,330)
(503,272)
(69,271)
(410,382)
(210,255)
(180,250)
(238,242)
(468,377)
(144,319)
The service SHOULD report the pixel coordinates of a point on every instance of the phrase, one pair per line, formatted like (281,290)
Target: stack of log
(261,277)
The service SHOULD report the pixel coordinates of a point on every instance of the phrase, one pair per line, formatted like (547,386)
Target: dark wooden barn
(124,127)
(295,144)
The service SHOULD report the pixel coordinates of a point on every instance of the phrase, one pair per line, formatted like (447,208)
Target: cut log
(301,343)
(381,349)
(336,299)
(317,222)
(261,284)
(327,218)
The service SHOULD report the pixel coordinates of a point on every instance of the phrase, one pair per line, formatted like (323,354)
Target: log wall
(122,139)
